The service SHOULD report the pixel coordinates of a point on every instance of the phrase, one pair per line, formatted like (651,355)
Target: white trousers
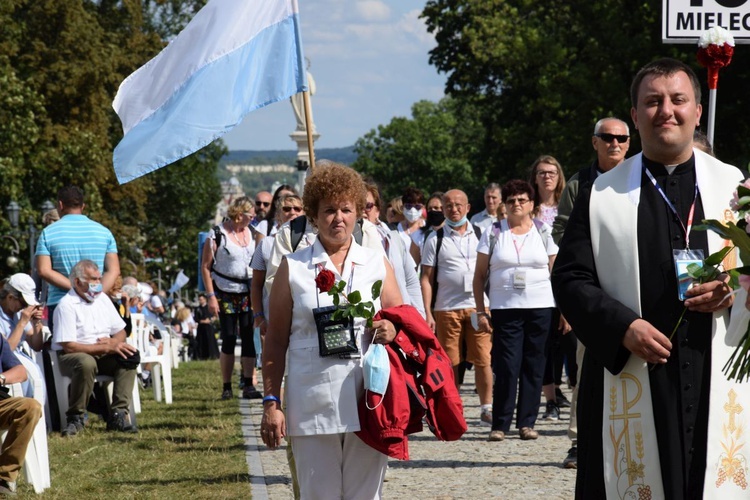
(332,466)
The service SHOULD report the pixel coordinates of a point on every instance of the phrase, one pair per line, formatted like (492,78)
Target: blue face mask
(377,369)
(456,224)
(95,289)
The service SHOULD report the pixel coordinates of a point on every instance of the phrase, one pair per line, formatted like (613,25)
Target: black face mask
(435,218)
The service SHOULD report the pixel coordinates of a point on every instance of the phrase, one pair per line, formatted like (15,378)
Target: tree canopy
(532,77)
(433,150)
(60,68)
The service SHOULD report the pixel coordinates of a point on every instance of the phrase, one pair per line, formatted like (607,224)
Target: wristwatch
(2,379)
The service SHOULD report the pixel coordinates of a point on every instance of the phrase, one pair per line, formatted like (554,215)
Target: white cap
(24,284)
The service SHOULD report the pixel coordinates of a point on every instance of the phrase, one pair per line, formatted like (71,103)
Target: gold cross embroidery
(732,408)
(625,416)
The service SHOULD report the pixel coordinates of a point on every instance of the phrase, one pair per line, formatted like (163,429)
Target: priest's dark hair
(516,187)
(664,67)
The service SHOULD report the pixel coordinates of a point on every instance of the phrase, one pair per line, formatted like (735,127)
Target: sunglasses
(289,209)
(409,206)
(543,173)
(520,201)
(612,137)
(263,203)
(369,206)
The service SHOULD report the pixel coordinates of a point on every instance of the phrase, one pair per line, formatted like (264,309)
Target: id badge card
(682,260)
(468,283)
(519,279)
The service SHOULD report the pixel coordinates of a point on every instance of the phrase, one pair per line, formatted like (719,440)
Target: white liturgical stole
(631,455)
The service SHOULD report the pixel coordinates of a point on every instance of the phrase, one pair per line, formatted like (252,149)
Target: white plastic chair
(62,383)
(161,363)
(176,342)
(36,462)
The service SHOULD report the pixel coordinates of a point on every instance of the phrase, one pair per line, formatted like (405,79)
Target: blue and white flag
(234,57)
(179,281)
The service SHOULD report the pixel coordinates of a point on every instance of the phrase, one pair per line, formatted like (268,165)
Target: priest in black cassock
(644,401)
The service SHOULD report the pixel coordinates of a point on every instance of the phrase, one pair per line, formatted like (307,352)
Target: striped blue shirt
(71,239)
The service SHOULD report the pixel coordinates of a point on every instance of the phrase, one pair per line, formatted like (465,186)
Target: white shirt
(456,262)
(232,260)
(519,253)
(483,220)
(77,320)
(322,393)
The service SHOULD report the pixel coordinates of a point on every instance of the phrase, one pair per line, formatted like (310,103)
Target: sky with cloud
(369,60)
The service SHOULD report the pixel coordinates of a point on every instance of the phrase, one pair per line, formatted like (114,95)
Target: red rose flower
(325,280)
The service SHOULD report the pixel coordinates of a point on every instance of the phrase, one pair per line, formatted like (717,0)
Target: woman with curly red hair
(322,391)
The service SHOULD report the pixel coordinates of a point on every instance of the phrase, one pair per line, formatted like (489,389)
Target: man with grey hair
(493,207)
(611,140)
(89,336)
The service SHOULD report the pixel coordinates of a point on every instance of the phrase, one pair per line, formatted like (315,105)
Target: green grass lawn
(192,448)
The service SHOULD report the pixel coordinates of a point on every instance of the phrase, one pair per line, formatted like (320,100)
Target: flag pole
(308,128)
(711,115)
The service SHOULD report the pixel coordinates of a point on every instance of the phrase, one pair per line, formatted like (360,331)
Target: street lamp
(14,212)
(12,260)
(47,206)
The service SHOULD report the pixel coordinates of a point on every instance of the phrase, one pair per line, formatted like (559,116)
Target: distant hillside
(270,157)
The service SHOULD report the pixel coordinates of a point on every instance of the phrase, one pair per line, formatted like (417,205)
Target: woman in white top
(518,253)
(548,180)
(290,207)
(322,392)
(226,275)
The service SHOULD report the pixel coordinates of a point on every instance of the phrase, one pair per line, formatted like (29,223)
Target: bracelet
(271,398)
(483,314)
(209,295)
(259,315)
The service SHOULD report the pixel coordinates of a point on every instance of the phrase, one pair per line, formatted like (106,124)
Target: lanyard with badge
(519,275)
(682,258)
(469,276)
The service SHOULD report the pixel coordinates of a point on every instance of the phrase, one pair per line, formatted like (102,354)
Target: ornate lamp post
(14,211)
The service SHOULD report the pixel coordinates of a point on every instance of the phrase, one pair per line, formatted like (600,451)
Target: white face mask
(412,214)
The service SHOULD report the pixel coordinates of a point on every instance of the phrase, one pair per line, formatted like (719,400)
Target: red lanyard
(674,210)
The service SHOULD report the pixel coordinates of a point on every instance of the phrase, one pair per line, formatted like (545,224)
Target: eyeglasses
(612,137)
(289,209)
(546,173)
(262,203)
(520,201)
(409,206)
(369,206)
(248,214)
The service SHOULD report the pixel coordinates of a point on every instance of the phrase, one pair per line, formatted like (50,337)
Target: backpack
(497,228)
(298,226)
(439,234)
(218,237)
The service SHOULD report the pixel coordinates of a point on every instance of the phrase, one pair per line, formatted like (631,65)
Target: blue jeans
(518,343)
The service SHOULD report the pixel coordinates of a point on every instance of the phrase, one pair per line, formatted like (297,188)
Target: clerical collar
(660,170)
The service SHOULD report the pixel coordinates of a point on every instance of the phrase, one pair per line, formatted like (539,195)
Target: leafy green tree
(61,65)
(540,73)
(434,150)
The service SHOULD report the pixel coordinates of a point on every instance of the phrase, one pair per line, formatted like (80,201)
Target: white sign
(683,21)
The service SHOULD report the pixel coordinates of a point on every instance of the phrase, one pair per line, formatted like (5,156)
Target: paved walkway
(469,468)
